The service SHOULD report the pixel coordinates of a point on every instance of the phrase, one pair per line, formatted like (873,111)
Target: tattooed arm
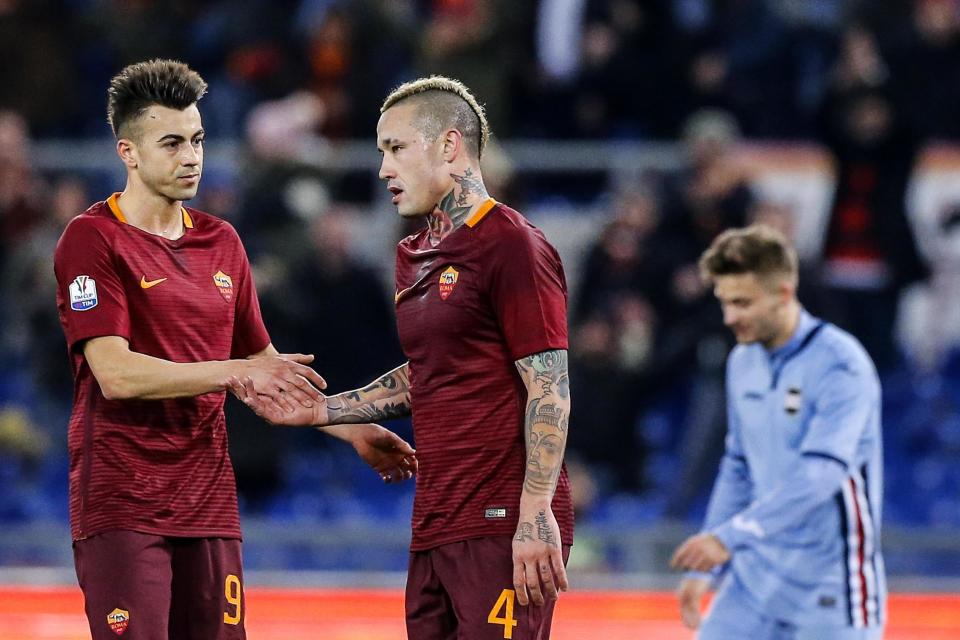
(383,399)
(537,559)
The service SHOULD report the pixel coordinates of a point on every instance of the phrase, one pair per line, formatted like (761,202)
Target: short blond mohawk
(443,84)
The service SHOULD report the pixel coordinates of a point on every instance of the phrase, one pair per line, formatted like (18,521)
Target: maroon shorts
(147,587)
(464,591)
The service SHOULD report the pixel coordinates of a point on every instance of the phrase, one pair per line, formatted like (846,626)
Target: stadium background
(631,131)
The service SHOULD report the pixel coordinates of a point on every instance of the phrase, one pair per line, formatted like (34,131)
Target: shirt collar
(805,325)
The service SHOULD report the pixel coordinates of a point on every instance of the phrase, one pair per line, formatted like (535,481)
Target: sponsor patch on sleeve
(83,293)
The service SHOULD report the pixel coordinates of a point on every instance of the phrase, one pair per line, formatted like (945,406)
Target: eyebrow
(177,137)
(385,142)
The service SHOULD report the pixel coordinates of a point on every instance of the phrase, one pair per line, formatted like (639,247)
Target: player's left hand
(390,455)
(701,552)
(538,569)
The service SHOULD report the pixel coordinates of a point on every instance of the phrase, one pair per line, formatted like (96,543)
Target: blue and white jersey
(799,493)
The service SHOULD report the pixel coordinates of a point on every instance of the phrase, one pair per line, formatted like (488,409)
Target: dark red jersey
(491,293)
(154,466)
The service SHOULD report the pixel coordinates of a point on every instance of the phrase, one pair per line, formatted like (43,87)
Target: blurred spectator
(869,251)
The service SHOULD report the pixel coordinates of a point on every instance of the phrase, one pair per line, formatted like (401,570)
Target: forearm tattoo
(386,398)
(547,418)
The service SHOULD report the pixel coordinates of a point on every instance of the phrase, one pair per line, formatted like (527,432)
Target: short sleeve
(91,300)
(528,292)
(249,333)
(844,401)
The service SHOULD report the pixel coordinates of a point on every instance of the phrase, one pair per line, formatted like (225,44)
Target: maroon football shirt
(491,293)
(154,466)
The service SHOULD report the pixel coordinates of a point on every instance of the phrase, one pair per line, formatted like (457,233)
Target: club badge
(83,293)
(224,285)
(118,619)
(448,280)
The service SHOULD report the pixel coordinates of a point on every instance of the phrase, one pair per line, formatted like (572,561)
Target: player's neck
(151,212)
(465,196)
(791,320)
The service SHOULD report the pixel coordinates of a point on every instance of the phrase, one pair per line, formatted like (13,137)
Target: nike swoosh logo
(396,296)
(146,284)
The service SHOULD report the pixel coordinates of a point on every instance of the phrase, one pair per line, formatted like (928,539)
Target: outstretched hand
(285,378)
(276,411)
(387,453)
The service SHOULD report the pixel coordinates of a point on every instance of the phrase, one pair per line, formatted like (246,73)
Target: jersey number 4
(504,604)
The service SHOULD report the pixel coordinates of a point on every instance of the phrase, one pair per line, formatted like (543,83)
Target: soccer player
(159,310)
(792,531)
(481,313)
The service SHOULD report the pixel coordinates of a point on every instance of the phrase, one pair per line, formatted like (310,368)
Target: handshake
(283,390)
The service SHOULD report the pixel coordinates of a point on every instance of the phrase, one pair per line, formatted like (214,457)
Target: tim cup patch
(793,401)
(224,285)
(448,280)
(83,293)
(118,619)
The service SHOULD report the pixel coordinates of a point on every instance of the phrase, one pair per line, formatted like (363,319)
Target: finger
(690,615)
(520,583)
(310,376)
(679,556)
(560,571)
(235,387)
(298,395)
(302,358)
(533,583)
(546,578)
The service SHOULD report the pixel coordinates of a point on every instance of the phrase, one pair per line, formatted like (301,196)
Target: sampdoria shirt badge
(791,404)
(83,293)
(224,284)
(448,280)
(118,619)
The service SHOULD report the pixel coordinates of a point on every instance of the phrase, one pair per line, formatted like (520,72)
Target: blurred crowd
(872,83)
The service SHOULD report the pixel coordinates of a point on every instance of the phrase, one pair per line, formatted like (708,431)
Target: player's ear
(127,152)
(452,145)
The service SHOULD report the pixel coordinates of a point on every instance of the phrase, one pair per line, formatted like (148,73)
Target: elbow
(114,388)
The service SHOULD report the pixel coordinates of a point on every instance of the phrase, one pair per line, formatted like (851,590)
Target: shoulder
(834,349)
(509,231)
(96,224)
(741,357)
(208,222)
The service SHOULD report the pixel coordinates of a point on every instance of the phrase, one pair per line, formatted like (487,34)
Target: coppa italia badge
(118,619)
(224,284)
(448,280)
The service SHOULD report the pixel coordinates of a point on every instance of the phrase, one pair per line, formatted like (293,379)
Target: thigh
(125,578)
(733,617)
(478,575)
(429,612)
(207,601)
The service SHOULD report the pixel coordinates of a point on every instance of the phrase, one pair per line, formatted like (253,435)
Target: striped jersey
(154,466)
(798,498)
(490,293)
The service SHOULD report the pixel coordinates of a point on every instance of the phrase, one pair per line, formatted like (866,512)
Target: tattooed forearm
(547,418)
(386,398)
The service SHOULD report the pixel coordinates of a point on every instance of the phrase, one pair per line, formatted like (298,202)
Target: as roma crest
(224,285)
(448,280)
(118,619)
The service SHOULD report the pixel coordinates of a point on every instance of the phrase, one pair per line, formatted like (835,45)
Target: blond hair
(756,249)
(444,103)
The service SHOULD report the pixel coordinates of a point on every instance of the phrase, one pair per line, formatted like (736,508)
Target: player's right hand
(690,594)
(286,378)
(277,411)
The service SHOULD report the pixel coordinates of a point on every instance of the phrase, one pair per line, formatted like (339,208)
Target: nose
(386,168)
(730,316)
(190,156)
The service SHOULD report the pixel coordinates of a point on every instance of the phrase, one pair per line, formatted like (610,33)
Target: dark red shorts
(464,591)
(146,587)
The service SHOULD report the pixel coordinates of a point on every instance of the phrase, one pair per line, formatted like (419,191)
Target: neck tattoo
(451,212)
